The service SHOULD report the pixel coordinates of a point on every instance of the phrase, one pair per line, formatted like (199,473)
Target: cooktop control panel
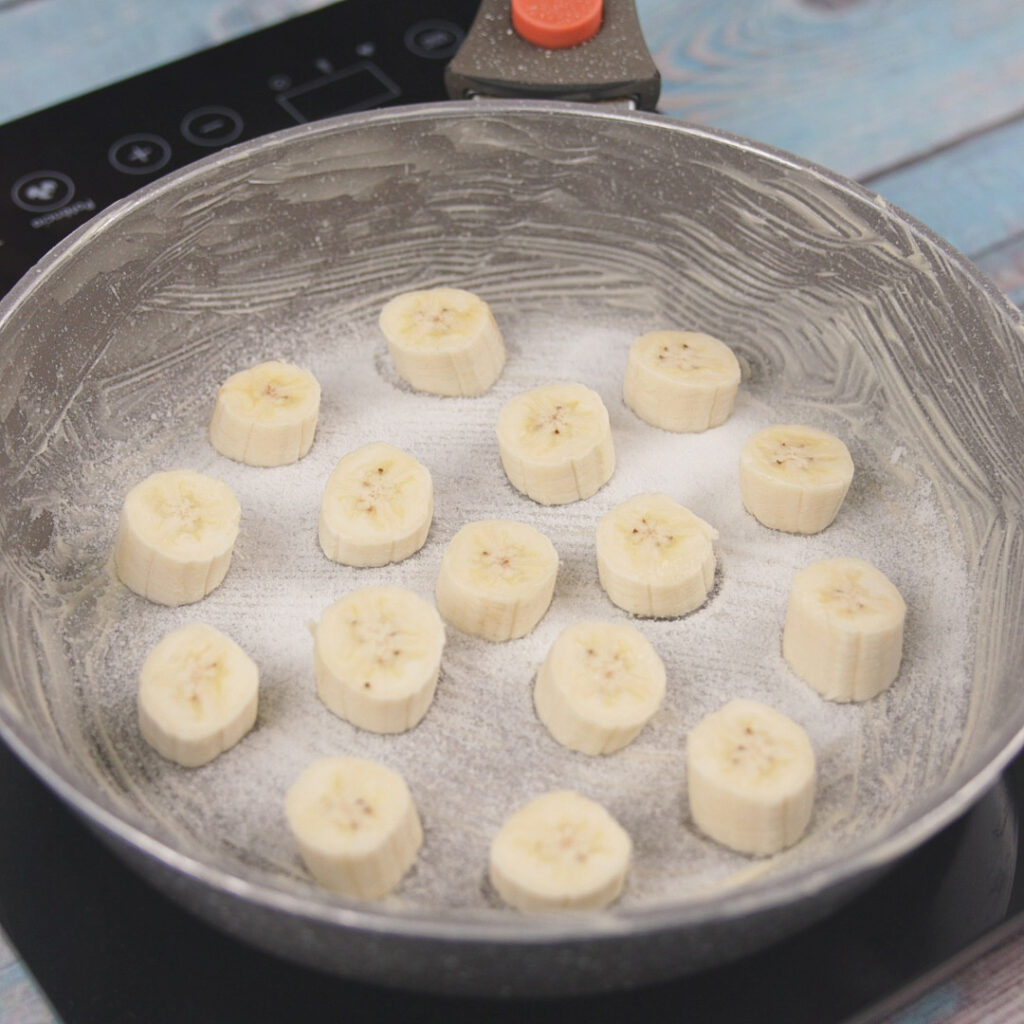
(60,166)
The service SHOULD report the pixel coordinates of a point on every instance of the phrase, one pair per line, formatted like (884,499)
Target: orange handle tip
(557,24)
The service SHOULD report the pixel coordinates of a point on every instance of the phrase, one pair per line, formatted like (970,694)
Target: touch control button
(212,126)
(434,39)
(42,191)
(139,154)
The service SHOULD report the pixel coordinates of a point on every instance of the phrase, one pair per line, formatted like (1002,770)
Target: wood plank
(1004,264)
(21,1002)
(972,194)
(857,86)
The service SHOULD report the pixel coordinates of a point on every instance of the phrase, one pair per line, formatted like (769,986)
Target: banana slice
(266,415)
(175,536)
(444,341)
(794,478)
(655,557)
(497,579)
(355,824)
(844,628)
(198,693)
(377,656)
(556,443)
(599,686)
(377,507)
(560,851)
(681,380)
(750,776)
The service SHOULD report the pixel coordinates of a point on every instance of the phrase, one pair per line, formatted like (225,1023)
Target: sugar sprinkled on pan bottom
(480,752)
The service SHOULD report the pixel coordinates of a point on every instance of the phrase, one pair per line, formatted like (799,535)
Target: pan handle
(614,64)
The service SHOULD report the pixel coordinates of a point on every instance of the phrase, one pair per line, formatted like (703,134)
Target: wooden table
(920,100)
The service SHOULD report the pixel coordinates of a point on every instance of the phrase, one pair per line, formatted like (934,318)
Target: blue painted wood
(856,86)
(864,85)
(971,194)
(1004,264)
(20,999)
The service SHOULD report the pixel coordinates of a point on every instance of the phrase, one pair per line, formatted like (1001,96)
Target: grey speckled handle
(614,65)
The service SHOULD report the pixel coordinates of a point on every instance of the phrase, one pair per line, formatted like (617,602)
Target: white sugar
(480,751)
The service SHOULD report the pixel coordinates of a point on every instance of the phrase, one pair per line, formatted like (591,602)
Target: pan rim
(427,111)
(501,926)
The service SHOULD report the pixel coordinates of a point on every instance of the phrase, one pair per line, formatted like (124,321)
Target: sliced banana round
(844,628)
(266,415)
(355,824)
(198,694)
(175,536)
(377,657)
(497,579)
(654,557)
(377,507)
(684,381)
(556,444)
(599,685)
(560,851)
(794,478)
(444,341)
(750,777)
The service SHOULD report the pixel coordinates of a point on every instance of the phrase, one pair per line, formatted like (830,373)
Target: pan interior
(581,231)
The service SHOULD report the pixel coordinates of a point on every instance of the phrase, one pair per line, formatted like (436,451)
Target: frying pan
(582,227)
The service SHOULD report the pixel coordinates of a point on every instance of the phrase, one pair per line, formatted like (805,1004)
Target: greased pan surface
(582,229)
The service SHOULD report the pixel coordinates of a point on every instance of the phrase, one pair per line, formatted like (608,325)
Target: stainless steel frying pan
(582,227)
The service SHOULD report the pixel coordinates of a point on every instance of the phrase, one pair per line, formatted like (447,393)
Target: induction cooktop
(104,945)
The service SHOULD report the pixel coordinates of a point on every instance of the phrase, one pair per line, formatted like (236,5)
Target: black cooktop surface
(60,166)
(107,948)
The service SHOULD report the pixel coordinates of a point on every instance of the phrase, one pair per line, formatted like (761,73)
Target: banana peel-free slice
(599,685)
(377,507)
(684,381)
(750,777)
(377,657)
(356,825)
(844,628)
(556,443)
(443,341)
(655,558)
(266,415)
(497,578)
(794,478)
(560,851)
(175,536)
(198,695)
